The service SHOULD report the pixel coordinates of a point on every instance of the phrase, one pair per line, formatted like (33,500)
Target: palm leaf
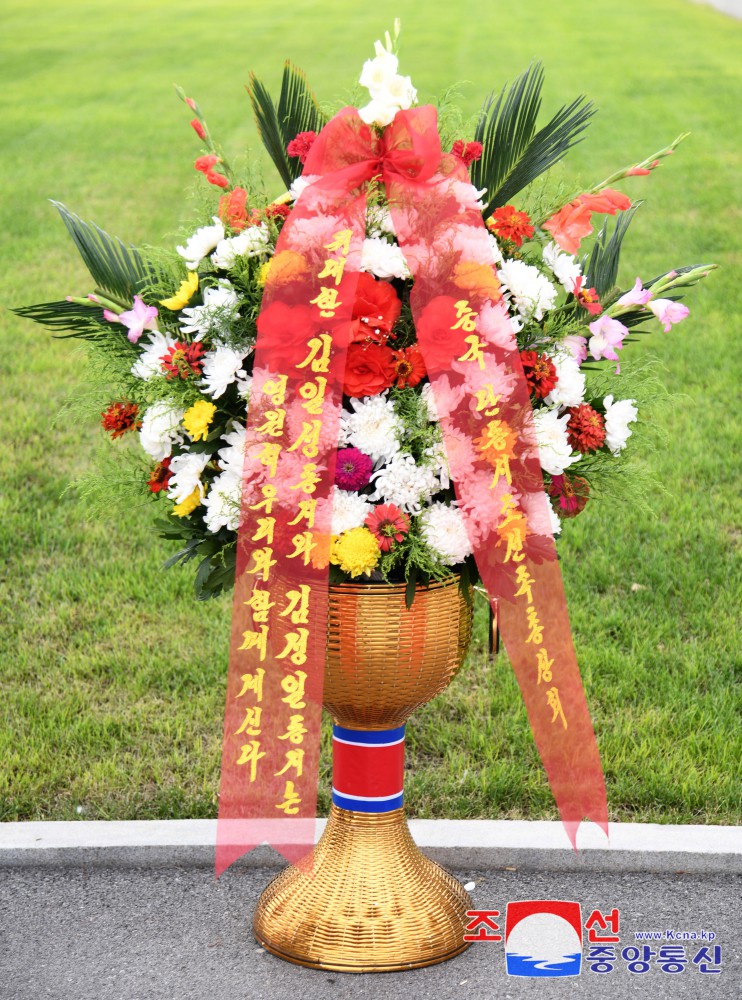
(602,264)
(513,153)
(83,321)
(297,112)
(116,268)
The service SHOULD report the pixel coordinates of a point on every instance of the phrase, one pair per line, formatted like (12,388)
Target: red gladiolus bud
(198,128)
(191,103)
(219,180)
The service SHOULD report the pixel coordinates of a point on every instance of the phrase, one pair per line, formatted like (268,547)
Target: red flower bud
(198,128)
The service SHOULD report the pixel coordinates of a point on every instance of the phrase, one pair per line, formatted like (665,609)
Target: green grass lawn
(112,676)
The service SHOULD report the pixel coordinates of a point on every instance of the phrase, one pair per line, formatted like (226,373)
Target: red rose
(375,311)
(369,370)
(283,333)
(442,343)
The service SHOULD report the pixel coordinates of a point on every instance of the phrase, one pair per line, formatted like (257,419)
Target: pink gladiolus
(137,319)
(577,347)
(607,338)
(668,312)
(638,296)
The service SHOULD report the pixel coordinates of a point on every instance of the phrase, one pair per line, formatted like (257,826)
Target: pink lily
(668,312)
(637,296)
(138,319)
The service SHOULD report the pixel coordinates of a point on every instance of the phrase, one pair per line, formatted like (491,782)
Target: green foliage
(514,154)
(297,111)
(601,267)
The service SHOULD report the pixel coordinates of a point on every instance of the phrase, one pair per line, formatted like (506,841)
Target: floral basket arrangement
(172,333)
(355,400)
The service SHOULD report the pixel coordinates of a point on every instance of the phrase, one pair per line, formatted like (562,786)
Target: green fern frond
(514,154)
(297,111)
(117,269)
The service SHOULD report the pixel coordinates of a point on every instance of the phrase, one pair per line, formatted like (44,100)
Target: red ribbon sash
(274,693)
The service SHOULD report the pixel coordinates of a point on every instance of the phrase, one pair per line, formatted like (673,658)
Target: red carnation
(183,360)
(160,478)
(409,366)
(369,370)
(119,418)
(585,428)
(277,211)
(467,151)
(375,311)
(540,373)
(301,144)
(388,524)
(573,493)
(587,297)
(510,224)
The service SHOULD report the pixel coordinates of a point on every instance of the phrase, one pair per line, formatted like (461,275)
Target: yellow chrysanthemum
(355,551)
(197,419)
(187,506)
(183,296)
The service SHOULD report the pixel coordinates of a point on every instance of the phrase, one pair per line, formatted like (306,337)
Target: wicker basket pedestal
(374,902)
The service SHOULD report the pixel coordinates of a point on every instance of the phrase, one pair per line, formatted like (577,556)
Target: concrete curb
(467,844)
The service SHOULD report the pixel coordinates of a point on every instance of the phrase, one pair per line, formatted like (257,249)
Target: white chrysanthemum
(232,457)
(222,502)
(186,472)
(528,289)
(405,483)
(496,251)
(215,316)
(161,428)
(570,387)
(618,416)
(201,243)
(349,510)
(383,259)
(373,427)
(566,269)
(222,367)
(149,362)
(444,531)
(300,184)
(251,242)
(554,450)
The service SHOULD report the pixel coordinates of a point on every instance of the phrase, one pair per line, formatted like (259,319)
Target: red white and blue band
(368,769)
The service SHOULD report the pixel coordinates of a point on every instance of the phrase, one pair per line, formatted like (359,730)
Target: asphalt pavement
(94,931)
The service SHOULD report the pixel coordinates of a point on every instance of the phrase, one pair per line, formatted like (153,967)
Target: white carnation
(554,450)
(186,472)
(221,367)
(251,242)
(405,483)
(570,387)
(216,315)
(383,259)
(201,243)
(149,362)
(349,510)
(444,531)
(566,269)
(373,427)
(528,289)
(618,416)
(161,428)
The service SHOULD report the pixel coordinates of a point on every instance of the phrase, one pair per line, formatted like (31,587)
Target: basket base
(375,903)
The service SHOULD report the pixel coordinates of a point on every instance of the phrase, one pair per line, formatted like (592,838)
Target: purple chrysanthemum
(353,470)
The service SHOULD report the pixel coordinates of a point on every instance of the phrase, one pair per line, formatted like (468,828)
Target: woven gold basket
(375,902)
